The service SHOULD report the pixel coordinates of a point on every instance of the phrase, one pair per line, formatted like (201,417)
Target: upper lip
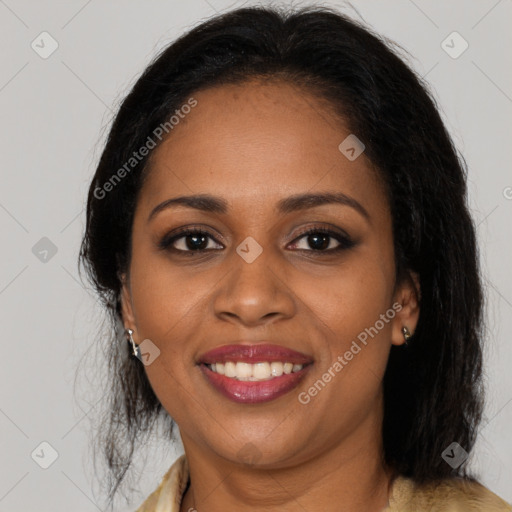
(253,353)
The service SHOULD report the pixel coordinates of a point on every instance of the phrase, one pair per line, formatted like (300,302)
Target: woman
(279,223)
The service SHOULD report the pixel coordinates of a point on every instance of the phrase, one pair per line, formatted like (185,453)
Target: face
(252,277)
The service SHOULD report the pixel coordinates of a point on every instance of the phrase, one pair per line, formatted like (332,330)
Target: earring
(136,349)
(407,334)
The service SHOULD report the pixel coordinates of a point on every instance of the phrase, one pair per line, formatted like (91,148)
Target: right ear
(126,303)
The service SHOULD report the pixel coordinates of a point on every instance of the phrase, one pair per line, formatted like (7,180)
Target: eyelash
(167,241)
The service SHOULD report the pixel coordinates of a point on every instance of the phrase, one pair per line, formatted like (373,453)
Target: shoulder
(448,495)
(167,496)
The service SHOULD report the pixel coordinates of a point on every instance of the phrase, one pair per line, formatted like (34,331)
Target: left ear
(406,304)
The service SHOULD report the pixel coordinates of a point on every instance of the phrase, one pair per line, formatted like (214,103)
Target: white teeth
(254,372)
(276,369)
(288,367)
(243,370)
(230,369)
(261,371)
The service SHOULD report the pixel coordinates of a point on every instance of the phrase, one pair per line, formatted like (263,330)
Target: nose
(255,293)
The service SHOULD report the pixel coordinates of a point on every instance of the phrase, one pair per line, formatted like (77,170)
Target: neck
(346,477)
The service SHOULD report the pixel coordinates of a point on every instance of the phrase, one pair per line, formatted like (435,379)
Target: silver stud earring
(136,349)
(407,334)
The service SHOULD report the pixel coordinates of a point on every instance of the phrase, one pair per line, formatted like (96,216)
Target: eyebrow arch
(213,204)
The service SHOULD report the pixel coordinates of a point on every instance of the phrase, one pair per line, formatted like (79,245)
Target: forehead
(256,142)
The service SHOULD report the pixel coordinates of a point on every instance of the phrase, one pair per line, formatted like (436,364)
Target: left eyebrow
(213,204)
(304,201)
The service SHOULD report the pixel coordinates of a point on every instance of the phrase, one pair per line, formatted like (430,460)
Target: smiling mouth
(252,373)
(253,390)
(257,372)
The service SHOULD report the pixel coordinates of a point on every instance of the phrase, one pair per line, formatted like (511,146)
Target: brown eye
(188,240)
(322,240)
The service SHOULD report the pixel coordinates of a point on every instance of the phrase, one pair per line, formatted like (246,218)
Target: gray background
(55,114)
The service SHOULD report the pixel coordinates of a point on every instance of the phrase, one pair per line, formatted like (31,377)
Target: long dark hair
(432,388)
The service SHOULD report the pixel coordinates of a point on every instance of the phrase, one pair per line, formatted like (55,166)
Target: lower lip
(252,392)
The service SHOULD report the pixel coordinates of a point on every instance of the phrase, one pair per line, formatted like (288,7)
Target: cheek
(351,297)
(164,296)
(168,310)
(353,310)
(355,347)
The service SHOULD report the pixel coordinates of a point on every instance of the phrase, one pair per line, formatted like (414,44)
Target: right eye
(191,240)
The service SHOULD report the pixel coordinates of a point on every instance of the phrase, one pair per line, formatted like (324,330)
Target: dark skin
(254,144)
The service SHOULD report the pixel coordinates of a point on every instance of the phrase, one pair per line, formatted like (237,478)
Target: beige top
(452,495)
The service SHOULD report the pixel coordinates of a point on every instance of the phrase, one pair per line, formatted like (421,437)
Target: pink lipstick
(254,373)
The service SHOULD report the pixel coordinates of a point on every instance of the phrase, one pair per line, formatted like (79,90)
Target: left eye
(321,240)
